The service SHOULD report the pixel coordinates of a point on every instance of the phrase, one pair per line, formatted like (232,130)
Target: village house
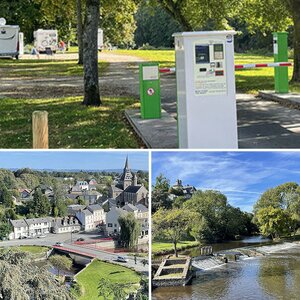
(91,216)
(112,223)
(66,224)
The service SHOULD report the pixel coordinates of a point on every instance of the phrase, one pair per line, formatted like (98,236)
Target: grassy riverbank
(161,248)
(89,278)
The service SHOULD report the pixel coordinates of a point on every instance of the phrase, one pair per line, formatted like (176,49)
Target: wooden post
(40,129)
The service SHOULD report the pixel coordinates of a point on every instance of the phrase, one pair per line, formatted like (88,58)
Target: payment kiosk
(206,102)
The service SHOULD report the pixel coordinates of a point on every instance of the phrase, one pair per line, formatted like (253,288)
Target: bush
(147,47)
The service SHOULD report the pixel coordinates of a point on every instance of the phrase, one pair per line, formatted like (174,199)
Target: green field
(247,81)
(90,277)
(71,124)
(33,249)
(160,247)
(43,68)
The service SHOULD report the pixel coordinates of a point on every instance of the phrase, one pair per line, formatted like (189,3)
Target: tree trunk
(175,249)
(79,31)
(90,54)
(295,6)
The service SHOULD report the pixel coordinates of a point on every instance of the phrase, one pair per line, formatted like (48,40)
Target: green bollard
(150,91)
(280,42)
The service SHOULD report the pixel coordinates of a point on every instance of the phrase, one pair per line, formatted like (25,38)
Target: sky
(85,160)
(241,176)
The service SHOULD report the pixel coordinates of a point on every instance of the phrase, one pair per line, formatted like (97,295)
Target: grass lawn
(90,277)
(247,81)
(43,68)
(33,249)
(158,247)
(71,125)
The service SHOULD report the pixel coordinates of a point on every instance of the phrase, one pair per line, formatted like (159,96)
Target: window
(109,225)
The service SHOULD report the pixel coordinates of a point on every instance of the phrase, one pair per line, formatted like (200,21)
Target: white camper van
(45,39)
(9,39)
(100,39)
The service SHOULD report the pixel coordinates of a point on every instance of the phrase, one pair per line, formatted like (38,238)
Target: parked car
(122,259)
(60,244)
(80,240)
(23,237)
(41,236)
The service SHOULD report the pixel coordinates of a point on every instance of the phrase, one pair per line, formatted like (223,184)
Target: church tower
(127,176)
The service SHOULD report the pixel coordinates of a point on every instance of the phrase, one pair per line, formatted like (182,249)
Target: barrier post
(40,129)
(150,91)
(280,43)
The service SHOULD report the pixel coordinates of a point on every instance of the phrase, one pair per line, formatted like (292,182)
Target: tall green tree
(40,205)
(160,193)
(172,224)
(6,198)
(130,230)
(278,209)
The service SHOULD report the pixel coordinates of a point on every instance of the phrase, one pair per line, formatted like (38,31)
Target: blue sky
(85,160)
(241,176)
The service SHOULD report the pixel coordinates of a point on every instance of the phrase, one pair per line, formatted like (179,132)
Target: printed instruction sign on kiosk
(206,101)
(150,91)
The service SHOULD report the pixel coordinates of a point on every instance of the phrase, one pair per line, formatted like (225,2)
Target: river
(270,277)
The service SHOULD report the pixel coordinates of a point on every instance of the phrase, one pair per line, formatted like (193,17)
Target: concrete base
(291,99)
(155,133)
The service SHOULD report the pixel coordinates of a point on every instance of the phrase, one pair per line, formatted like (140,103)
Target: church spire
(126,163)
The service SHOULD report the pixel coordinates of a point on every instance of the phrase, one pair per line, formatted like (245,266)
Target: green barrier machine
(150,91)
(280,42)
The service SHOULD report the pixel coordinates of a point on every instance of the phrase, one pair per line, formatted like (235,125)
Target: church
(127,190)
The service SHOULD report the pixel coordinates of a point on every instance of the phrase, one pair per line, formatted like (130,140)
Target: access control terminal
(206,103)
(209,71)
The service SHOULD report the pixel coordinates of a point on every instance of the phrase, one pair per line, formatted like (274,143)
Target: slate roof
(130,207)
(18,223)
(132,189)
(38,220)
(94,207)
(142,208)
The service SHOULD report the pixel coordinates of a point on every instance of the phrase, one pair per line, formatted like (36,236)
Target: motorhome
(9,39)
(100,39)
(45,39)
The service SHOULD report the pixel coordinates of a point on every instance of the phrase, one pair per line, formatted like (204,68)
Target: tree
(277,211)
(172,224)
(59,207)
(117,21)
(40,205)
(90,54)
(5,230)
(79,31)
(160,194)
(273,222)
(21,279)
(130,230)
(150,20)
(61,262)
(6,198)
(109,290)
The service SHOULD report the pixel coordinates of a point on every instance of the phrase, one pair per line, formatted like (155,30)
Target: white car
(60,244)
(122,259)
(41,236)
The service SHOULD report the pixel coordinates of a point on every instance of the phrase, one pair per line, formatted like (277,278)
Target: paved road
(65,238)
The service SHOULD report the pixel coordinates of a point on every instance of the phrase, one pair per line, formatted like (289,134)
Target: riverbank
(164,248)
(89,278)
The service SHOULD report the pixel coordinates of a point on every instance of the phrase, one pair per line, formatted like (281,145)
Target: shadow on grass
(71,124)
